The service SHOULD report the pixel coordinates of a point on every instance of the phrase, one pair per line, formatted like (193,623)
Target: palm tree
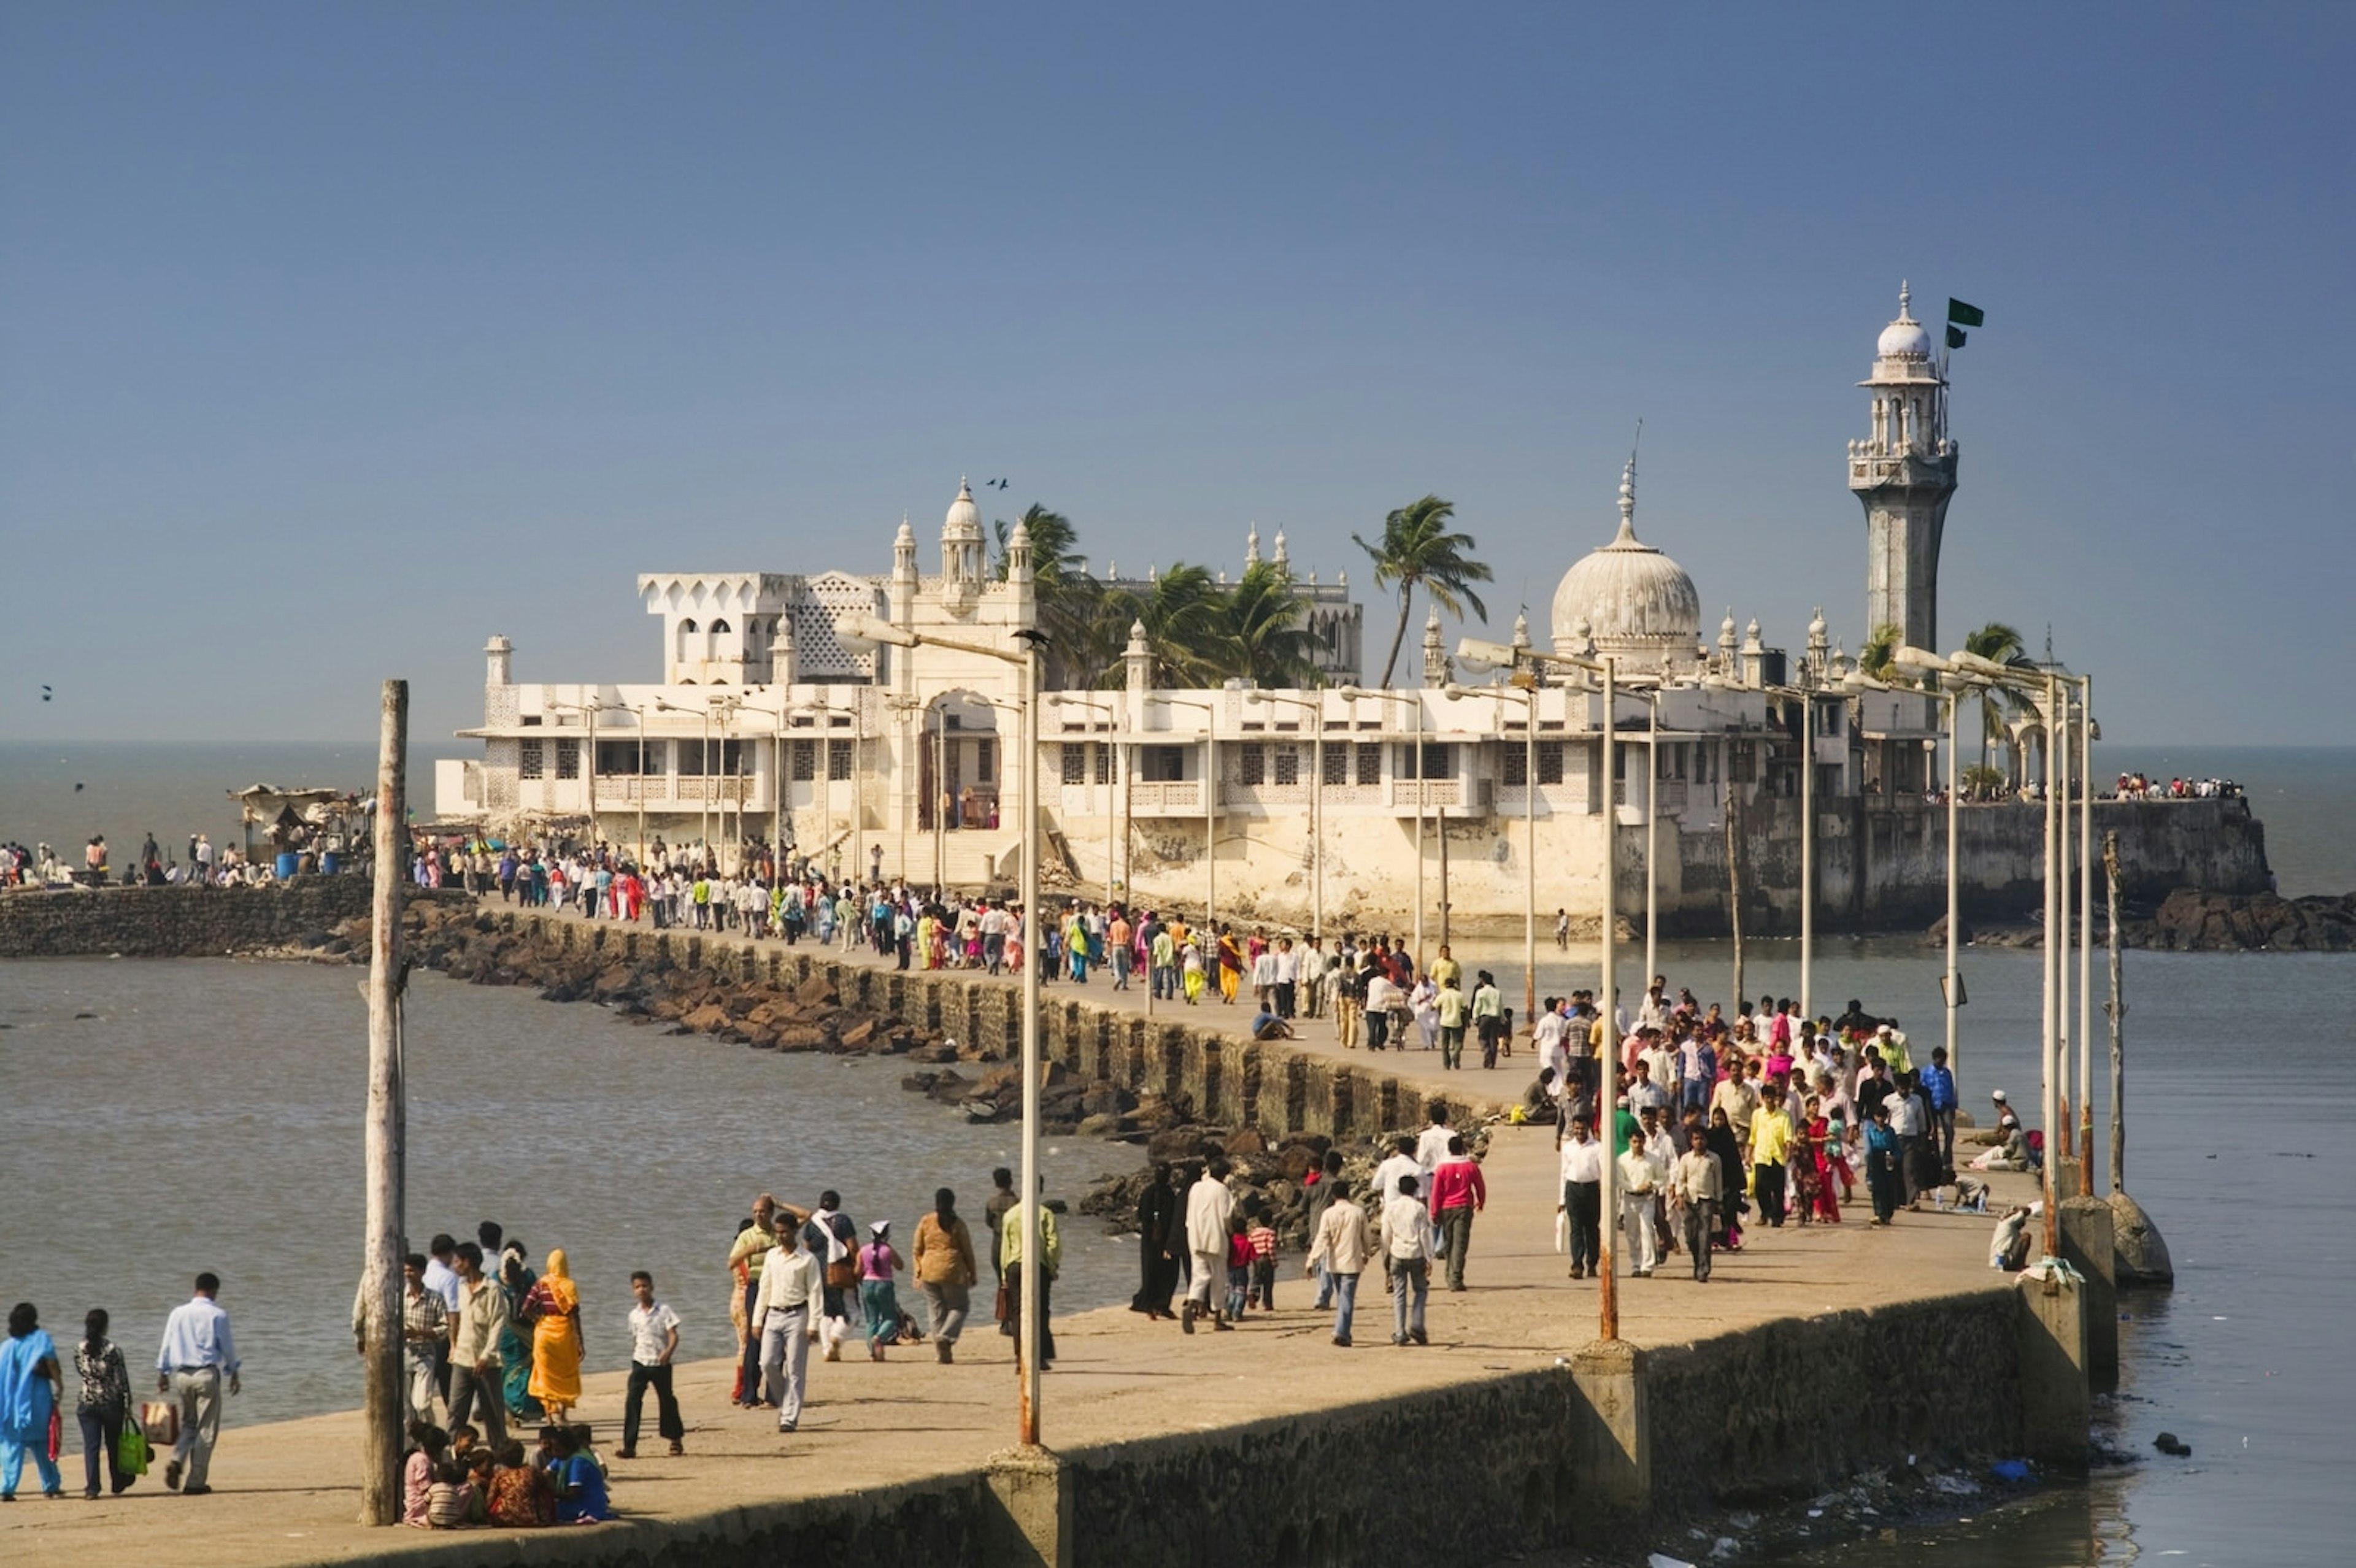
(2002,643)
(1067,597)
(1879,657)
(1270,644)
(1185,613)
(1418,547)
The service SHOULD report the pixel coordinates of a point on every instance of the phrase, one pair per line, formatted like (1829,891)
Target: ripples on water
(209,1117)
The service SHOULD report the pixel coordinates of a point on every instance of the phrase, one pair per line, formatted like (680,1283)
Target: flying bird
(45,694)
(77,786)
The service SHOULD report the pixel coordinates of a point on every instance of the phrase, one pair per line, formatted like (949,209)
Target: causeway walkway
(287,1493)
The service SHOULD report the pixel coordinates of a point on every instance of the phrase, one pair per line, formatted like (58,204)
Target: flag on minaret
(1955,337)
(1963,315)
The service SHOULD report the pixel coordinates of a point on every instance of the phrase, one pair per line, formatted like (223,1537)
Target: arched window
(718,627)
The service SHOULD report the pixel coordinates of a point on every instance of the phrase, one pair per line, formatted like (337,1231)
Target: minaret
(1903,475)
(962,539)
(1018,575)
(1436,669)
(903,573)
(1283,561)
(497,653)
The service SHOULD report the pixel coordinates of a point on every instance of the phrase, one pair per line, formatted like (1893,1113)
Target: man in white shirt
(1310,961)
(1700,1187)
(1382,996)
(1546,1035)
(1636,1181)
(792,1287)
(1582,1194)
(1407,1249)
(1402,1162)
(1341,1245)
(476,1371)
(654,1340)
(1432,1147)
(197,1349)
(1209,1208)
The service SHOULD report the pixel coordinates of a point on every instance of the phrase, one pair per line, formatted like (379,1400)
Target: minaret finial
(1628,486)
(1905,301)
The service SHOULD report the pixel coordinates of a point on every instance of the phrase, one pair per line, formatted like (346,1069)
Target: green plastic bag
(131,1452)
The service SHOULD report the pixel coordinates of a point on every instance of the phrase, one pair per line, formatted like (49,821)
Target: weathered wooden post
(1734,882)
(2141,1254)
(381,1276)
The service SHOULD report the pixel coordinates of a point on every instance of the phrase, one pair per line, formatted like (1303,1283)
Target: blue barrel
(286,867)
(330,862)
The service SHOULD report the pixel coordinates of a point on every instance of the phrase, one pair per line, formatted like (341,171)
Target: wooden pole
(2117,1011)
(380,1491)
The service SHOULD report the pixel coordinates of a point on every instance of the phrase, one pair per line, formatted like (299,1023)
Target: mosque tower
(1903,475)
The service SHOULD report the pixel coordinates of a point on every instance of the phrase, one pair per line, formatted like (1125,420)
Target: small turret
(499,657)
(1437,670)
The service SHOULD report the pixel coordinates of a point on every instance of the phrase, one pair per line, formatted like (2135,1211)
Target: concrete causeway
(891,1457)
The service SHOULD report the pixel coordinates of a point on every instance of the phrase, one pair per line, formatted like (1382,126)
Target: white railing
(1166,798)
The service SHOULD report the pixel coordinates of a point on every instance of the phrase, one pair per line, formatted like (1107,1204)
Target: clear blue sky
(335,338)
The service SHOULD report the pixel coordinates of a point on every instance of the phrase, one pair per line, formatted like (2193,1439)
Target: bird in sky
(45,694)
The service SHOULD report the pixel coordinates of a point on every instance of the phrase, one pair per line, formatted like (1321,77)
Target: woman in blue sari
(515,1281)
(29,1386)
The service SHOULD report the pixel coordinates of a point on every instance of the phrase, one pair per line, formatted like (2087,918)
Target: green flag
(1963,314)
(1955,337)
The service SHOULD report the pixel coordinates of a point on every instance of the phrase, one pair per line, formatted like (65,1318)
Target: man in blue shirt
(197,1349)
(1939,1084)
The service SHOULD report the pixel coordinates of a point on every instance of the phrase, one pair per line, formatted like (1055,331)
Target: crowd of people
(197,1356)
(155,866)
(2141,786)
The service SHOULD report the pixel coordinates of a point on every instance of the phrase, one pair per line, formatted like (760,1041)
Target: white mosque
(768,724)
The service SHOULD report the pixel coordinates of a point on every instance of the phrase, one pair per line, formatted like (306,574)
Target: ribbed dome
(1636,602)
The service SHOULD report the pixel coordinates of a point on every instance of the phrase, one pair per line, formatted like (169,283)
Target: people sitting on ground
(1265,1024)
(1540,1103)
(521,1495)
(575,1477)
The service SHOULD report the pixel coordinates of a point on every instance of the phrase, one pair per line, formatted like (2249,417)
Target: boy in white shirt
(654,1340)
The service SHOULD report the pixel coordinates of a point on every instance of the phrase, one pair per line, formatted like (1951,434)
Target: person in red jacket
(1457,1193)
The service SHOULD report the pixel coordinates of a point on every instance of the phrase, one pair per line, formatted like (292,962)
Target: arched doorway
(961,764)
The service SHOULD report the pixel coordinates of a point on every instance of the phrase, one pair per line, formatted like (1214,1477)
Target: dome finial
(1905,301)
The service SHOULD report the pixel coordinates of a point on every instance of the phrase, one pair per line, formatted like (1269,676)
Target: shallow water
(208,1116)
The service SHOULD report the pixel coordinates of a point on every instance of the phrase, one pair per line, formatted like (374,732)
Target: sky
(333,340)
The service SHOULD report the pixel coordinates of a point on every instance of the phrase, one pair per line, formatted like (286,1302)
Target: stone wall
(1788,1410)
(180,922)
(1183,1054)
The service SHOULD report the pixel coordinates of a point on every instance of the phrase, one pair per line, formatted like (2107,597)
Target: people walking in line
(1406,1250)
(31,1389)
(198,1353)
(105,1401)
(654,1340)
(879,1302)
(791,1292)
(834,1239)
(1635,1179)
(945,1270)
(1210,1208)
(553,1310)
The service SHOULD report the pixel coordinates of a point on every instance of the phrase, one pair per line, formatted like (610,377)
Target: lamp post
(868,629)
(1954,686)
(1062,699)
(1352,693)
(2087,934)
(1529,698)
(1607,1061)
(1210,815)
(1316,711)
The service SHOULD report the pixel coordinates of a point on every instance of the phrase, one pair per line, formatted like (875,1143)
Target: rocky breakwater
(2189,921)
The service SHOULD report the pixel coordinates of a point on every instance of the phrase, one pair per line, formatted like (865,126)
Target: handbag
(998,1312)
(132,1454)
(160,1419)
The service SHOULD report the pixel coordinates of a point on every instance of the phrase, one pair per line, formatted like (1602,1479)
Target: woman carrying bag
(104,1410)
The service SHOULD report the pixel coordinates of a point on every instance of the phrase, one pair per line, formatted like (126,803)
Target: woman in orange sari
(553,1310)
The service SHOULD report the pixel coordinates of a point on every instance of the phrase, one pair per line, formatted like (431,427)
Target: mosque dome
(1905,337)
(1635,602)
(964,519)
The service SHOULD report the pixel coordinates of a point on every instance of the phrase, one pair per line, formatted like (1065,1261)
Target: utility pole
(1734,882)
(2117,1009)
(381,1490)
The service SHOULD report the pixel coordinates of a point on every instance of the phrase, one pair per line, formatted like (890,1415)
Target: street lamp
(1064,700)
(1210,815)
(1352,693)
(1316,711)
(1529,698)
(861,628)
(1954,687)
(1607,1061)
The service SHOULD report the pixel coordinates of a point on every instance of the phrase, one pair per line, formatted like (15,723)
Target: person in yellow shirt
(1452,1008)
(1771,1146)
(1446,971)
